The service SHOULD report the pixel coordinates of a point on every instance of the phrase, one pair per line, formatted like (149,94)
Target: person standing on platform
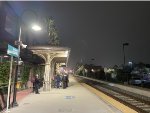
(37,83)
(58,80)
(33,83)
(65,80)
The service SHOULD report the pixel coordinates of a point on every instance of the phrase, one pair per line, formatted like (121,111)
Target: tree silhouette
(52,32)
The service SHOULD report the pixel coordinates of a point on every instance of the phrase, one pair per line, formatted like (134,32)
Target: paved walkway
(74,99)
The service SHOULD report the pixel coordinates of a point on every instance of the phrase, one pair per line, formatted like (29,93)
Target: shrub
(4,72)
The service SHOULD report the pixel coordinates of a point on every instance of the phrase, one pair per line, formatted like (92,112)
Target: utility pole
(124,56)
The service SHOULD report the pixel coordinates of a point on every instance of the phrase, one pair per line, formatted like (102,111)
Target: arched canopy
(57,54)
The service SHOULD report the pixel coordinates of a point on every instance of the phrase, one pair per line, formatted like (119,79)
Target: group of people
(61,80)
(58,81)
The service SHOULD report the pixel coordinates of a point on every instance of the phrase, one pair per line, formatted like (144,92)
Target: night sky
(98,29)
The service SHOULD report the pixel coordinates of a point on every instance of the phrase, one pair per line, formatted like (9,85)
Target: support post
(9,84)
(14,103)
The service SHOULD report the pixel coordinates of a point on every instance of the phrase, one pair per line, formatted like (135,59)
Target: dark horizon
(97,30)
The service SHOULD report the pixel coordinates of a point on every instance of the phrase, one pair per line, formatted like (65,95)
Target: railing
(3,95)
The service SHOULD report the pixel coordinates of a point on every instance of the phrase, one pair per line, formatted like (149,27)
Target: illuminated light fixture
(66,53)
(23,46)
(92,70)
(70,71)
(5,56)
(129,62)
(86,72)
(36,27)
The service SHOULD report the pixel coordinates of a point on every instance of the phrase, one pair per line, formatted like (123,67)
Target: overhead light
(36,27)
(130,62)
(5,56)
(66,52)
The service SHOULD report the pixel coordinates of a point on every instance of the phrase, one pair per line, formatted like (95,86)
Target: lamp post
(14,102)
(19,43)
(124,44)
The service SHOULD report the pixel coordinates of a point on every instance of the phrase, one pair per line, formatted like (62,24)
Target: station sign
(12,51)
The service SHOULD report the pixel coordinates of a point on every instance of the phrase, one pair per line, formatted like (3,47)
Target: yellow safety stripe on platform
(113,102)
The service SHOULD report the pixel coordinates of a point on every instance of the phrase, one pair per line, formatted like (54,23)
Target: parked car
(146,79)
(143,80)
(135,81)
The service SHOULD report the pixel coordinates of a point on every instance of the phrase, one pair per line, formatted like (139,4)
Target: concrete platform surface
(74,99)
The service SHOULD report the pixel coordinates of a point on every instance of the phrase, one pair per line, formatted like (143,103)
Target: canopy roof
(57,54)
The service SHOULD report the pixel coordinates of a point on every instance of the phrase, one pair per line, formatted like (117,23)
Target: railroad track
(139,103)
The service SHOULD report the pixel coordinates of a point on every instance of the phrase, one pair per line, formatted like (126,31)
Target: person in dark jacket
(36,83)
(58,80)
(33,83)
(65,80)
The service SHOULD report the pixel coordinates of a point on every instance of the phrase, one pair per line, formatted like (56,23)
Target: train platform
(77,98)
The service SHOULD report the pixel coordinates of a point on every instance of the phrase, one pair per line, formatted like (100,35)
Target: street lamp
(124,44)
(20,44)
(36,28)
(130,64)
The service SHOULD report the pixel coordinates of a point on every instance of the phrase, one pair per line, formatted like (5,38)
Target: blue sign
(12,51)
